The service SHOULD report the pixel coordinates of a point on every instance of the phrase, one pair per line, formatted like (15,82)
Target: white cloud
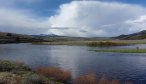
(97,18)
(137,24)
(12,20)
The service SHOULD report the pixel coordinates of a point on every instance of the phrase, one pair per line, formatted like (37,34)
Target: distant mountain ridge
(135,36)
(6,37)
(45,35)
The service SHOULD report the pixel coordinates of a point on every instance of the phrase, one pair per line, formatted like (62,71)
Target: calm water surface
(79,60)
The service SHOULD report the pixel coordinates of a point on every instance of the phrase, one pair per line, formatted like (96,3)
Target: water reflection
(66,57)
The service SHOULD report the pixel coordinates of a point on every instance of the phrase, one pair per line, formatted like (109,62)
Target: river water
(79,60)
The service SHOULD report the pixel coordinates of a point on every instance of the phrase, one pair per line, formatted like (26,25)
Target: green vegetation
(12,66)
(135,36)
(18,73)
(6,37)
(123,50)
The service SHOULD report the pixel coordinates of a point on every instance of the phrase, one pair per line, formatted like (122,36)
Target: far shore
(93,43)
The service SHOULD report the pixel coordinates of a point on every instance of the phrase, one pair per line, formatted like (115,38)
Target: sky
(76,18)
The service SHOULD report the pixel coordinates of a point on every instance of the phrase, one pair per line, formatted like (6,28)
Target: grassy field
(123,50)
(83,43)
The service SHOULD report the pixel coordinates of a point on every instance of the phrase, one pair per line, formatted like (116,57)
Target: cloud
(12,20)
(98,18)
(77,18)
(137,24)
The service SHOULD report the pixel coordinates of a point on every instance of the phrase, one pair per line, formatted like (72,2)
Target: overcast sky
(84,18)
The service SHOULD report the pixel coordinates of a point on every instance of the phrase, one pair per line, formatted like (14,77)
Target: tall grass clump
(32,78)
(86,79)
(104,44)
(93,44)
(108,82)
(55,73)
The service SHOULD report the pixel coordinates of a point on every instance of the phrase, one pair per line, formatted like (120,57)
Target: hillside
(56,38)
(17,38)
(135,36)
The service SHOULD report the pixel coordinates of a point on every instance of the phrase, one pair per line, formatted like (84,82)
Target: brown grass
(128,82)
(108,82)
(91,79)
(86,79)
(55,73)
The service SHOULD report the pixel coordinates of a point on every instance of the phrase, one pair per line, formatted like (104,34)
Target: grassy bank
(123,50)
(18,73)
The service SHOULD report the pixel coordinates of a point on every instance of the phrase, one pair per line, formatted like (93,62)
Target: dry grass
(9,78)
(86,79)
(108,82)
(55,73)
(91,79)
(128,82)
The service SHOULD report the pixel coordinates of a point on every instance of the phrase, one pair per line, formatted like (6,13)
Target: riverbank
(18,73)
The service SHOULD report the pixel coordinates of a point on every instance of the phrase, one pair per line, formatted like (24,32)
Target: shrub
(55,73)
(108,81)
(32,78)
(12,66)
(115,82)
(93,44)
(128,82)
(86,79)
(105,44)
(104,80)
(6,66)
